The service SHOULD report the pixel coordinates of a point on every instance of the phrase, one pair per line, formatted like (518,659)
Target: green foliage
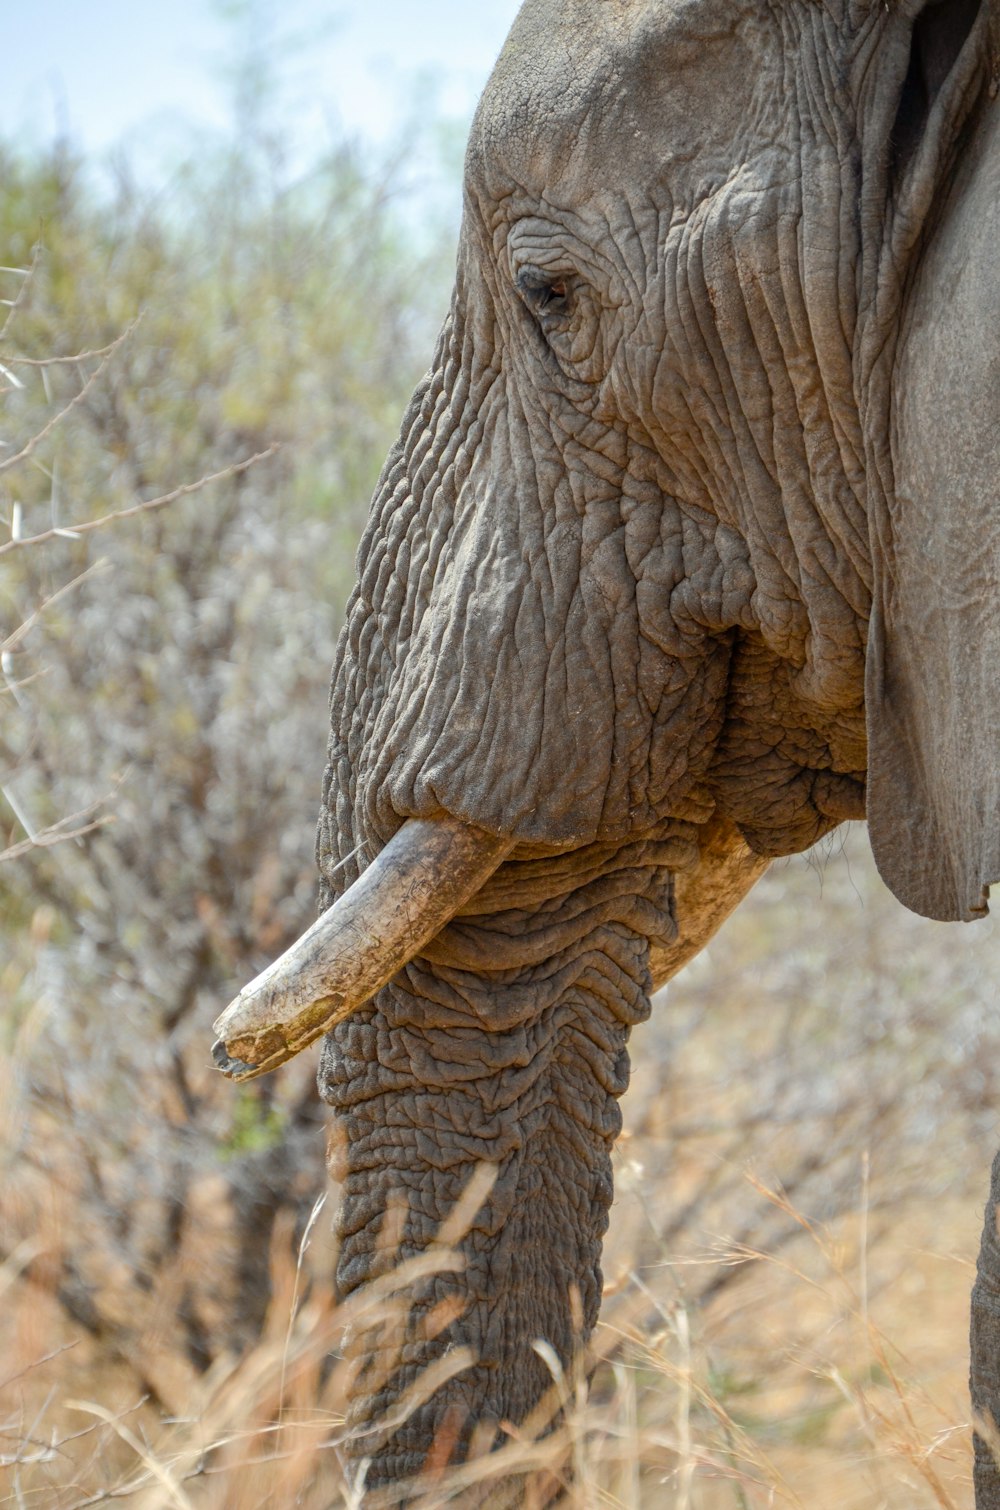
(255,1126)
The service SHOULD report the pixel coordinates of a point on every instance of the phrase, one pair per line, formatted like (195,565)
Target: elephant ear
(933,672)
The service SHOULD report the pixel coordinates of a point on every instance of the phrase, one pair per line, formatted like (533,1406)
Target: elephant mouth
(406,896)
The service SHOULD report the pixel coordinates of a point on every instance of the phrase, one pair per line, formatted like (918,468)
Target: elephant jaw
(406,896)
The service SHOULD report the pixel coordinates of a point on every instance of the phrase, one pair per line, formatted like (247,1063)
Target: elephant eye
(547,294)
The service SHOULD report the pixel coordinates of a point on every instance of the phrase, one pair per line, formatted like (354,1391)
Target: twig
(123,1492)
(57,833)
(14,639)
(27,274)
(150,503)
(37,1363)
(79,356)
(46,430)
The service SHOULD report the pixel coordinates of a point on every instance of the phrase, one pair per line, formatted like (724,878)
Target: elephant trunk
(504,1044)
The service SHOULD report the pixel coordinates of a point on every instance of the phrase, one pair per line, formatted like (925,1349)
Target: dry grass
(786,1391)
(787,1274)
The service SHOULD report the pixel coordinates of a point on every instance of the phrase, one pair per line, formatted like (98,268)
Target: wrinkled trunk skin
(984,1381)
(507,1045)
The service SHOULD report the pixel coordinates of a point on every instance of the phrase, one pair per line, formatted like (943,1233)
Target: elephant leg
(985,1352)
(520,1068)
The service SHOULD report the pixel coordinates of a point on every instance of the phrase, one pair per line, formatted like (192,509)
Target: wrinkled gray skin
(690,537)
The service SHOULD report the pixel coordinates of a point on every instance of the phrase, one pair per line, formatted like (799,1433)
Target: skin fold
(628,566)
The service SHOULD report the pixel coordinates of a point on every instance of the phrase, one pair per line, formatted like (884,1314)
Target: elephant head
(639,543)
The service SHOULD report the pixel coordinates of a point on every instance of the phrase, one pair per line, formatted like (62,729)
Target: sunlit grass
(818,1405)
(787,1269)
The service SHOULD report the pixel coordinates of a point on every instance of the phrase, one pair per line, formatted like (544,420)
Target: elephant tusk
(416,885)
(705,895)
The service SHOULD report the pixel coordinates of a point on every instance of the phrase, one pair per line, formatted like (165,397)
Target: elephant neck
(508,1048)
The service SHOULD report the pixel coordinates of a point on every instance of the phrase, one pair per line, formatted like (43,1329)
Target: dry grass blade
(427,1383)
(16,1262)
(465,1210)
(293,1309)
(156,1468)
(664,1445)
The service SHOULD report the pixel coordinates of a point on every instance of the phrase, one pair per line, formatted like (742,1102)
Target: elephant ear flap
(933,670)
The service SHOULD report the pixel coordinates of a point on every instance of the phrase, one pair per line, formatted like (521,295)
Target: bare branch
(78,398)
(28,1368)
(56,834)
(27,274)
(147,506)
(80,356)
(17,635)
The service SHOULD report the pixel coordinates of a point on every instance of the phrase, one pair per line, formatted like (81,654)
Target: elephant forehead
(581,83)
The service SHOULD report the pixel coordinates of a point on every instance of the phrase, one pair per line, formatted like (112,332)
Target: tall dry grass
(660,1423)
(786,1276)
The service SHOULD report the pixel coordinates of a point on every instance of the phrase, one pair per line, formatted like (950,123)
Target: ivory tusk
(416,885)
(705,895)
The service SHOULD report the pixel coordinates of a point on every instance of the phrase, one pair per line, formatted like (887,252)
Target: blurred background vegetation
(164,687)
(162,735)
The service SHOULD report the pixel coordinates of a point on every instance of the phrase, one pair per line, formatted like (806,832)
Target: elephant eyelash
(545,295)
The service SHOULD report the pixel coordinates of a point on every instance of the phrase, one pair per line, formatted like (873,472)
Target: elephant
(688,551)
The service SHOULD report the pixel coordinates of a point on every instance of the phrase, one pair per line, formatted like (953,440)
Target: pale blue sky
(126,70)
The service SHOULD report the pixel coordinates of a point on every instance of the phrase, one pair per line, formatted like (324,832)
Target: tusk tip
(406,896)
(233,1069)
